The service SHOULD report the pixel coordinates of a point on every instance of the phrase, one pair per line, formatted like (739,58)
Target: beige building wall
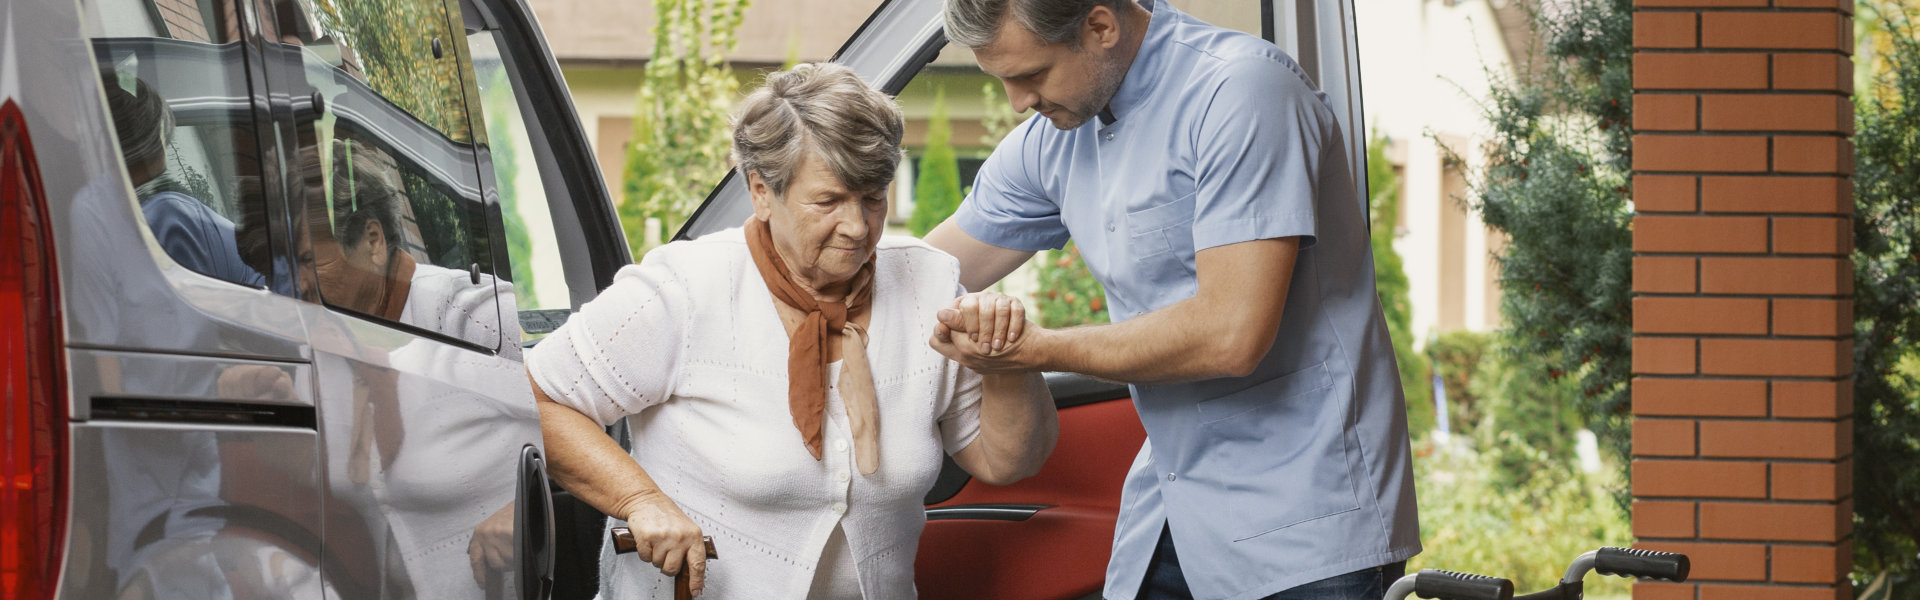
(1426,67)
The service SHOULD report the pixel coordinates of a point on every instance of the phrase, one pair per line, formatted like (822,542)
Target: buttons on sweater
(839,445)
(840,476)
(839,509)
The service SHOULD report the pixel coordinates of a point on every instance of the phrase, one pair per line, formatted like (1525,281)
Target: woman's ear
(762,196)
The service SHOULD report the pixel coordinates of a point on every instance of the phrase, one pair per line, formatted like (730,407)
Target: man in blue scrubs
(1206,183)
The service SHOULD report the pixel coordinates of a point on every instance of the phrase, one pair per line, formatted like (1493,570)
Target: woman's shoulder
(699,255)
(914,251)
(903,258)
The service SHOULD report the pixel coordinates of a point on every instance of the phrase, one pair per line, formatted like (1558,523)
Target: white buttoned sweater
(688,346)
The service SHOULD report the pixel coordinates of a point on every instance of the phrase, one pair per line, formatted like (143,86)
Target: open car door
(1049,536)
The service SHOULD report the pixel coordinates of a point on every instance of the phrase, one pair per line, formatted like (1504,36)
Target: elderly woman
(778,379)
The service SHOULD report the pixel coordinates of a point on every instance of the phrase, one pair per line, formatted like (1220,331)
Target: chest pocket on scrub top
(1161,233)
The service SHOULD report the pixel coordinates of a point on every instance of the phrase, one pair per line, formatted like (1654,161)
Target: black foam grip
(1627,562)
(1448,585)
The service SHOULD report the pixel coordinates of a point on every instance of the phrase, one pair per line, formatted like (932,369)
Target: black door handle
(533,527)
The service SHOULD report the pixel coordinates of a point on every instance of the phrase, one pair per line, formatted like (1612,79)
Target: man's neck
(1136,19)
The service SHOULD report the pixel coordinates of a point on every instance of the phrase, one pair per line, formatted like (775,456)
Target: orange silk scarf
(825,322)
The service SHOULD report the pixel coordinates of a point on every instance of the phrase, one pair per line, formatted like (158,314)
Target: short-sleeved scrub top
(1301,470)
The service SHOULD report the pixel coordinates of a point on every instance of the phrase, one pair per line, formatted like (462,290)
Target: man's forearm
(1170,345)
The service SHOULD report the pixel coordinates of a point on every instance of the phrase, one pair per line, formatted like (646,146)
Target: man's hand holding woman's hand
(987,332)
(668,539)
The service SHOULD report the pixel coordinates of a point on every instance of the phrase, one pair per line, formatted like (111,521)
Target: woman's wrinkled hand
(664,536)
(491,548)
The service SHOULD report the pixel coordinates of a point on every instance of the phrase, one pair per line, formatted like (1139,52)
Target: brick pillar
(1743,351)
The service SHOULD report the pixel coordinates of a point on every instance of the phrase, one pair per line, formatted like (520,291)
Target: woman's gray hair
(366,187)
(974,23)
(825,109)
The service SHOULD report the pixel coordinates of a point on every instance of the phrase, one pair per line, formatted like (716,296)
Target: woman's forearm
(589,464)
(1018,427)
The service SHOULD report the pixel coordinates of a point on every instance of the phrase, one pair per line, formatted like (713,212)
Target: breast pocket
(1161,232)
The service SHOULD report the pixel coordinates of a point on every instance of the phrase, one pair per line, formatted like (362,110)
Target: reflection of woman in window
(363,265)
(190,231)
(422,486)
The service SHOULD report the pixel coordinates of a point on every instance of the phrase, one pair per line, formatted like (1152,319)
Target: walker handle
(1633,562)
(1449,585)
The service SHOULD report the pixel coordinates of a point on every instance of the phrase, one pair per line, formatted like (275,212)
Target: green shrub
(1886,347)
(1390,280)
(936,188)
(1506,496)
(1069,295)
(1456,356)
(1555,182)
(1472,519)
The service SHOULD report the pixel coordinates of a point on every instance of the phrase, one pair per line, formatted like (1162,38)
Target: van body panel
(178,511)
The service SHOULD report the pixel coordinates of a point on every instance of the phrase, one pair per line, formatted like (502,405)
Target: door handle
(533,527)
(985,512)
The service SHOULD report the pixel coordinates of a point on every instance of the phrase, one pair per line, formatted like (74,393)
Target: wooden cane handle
(623,543)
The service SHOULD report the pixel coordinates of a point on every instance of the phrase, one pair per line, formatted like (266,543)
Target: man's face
(1068,83)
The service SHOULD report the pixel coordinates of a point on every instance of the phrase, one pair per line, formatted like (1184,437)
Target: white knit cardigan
(689,347)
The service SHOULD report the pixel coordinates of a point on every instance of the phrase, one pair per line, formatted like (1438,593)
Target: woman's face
(823,230)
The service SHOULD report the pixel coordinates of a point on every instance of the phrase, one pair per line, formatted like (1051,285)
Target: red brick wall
(1742,438)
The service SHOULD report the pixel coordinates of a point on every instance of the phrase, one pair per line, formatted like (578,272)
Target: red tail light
(33,403)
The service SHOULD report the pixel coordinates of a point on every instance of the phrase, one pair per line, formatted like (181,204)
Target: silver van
(267,268)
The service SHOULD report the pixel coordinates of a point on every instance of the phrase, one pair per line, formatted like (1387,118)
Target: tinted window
(396,224)
(173,75)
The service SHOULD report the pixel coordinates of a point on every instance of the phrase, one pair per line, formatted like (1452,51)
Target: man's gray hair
(824,109)
(974,23)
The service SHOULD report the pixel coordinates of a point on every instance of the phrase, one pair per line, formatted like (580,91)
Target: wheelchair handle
(1633,562)
(1449,585)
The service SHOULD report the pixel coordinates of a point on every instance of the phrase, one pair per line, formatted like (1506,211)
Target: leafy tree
(389,44)
(936,191)
(1886,261)
(681,135)
(1390,280)
(1556,183)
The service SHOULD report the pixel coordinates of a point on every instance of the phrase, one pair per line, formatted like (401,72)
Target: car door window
(535,263)
(173,74)
(396,222)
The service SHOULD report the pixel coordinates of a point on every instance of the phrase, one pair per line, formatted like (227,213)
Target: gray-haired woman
(778,378)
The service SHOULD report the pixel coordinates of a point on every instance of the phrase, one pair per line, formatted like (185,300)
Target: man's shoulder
(1216,54)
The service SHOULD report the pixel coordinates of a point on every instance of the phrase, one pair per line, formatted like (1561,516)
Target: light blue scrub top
(1301,470)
